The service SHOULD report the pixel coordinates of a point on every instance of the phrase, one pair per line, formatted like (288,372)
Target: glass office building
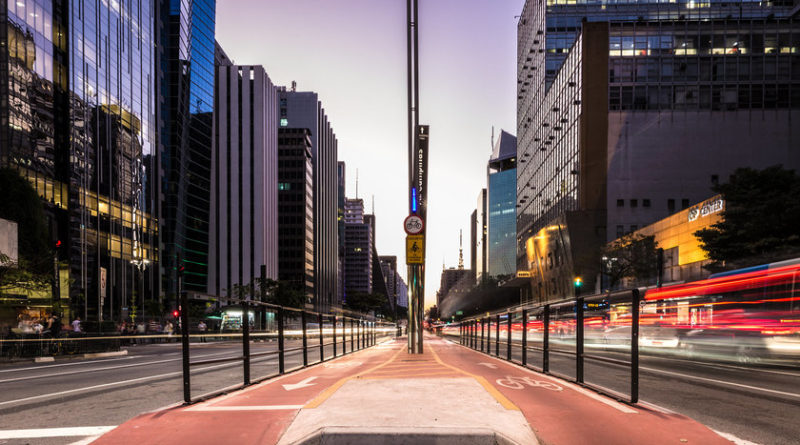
(564,17)
(77,118)
(502,221)
(187,89)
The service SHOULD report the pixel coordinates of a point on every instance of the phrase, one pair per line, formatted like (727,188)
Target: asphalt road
(108,391)
(759,404)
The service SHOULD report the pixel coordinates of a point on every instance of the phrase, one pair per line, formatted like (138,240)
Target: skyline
(367,102)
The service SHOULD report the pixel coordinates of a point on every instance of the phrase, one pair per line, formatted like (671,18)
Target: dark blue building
(502,219)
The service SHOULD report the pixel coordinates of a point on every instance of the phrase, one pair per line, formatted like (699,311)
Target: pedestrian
(76,325)
(168,329)
(202,328)
(54,325)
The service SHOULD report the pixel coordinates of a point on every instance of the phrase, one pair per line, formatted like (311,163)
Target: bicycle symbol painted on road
(521,382)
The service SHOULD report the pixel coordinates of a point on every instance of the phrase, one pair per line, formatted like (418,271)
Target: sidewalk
(412,399)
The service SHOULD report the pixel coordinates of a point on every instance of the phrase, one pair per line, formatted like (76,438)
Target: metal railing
(363,333)
(560,330)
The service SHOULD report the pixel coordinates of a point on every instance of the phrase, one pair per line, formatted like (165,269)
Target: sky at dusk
(353,53)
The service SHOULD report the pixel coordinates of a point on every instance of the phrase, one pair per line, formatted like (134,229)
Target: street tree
(760,222)
(633,257)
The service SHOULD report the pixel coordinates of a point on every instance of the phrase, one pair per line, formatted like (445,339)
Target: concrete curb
(106,354)
(44,359)
(405,436)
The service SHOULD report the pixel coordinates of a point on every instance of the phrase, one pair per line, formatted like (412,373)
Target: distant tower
(294,88)
(460,252)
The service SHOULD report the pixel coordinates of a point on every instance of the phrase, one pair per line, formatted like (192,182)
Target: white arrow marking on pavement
(489,365)
(301,384)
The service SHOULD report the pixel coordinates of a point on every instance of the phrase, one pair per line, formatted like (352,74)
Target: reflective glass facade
(77,112)
(502,223)
(564,17)
(188,88)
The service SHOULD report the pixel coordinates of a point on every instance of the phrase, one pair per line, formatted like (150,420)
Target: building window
(620,231)
(634,228)
(620,203)
(634,203)
(284,186)
(684,203)
(671,205)
(715,179)
(645,203)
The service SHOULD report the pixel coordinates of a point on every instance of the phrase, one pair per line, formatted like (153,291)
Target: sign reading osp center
(413,225)
(415,249)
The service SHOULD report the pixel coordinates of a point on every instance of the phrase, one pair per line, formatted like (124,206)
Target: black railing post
(281,367)
(508,354)
(524,337)
(344,335)
(305,338)
(187,386)
(321,339)
(484,333)
(480,344)
(497,336)
(246,343)
(546,340)
(461,333)
(579,340)
(635,346)
(334,336)
(352,335)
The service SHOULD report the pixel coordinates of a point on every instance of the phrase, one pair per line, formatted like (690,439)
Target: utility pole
(418,187)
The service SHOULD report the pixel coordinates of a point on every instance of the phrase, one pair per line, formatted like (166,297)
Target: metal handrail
(476,333)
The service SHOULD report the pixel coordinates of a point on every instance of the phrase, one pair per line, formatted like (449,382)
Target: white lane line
(655,407)
(250,408)
(734,439)
(55,432)
(106,385)
(723,382)
(591,394)
(83,371)
(34,368)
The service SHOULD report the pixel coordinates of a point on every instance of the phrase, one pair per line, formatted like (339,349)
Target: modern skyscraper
(502,219)
(641,119)
(243,223)
(564,18)
(358,250)
(304,110)
(296,210)
(389,270)
(353,211)
(77,119)
(481,246)
(186,107)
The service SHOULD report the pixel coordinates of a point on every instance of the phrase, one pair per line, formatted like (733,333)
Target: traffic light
(578,285)
(176,313)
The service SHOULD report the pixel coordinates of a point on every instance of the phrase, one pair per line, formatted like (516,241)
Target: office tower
(502,195)
(186,125)
(353,211)
(402,295)
(358,256)
(481,245)
(243,225)
(389,270)
(564,18)
(473,240)
(296,210)
(642,118)
(304,110)
(378,279)
(83,132)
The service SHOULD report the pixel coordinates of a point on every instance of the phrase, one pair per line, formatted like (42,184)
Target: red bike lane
(561,412)
(258,414)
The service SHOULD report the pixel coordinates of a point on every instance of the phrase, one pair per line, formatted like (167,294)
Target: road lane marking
(513,382)
(591,394)
(249,408)
(488,365)
(87,362)
(503,400)
(317,401)
(107,368)
(734,439)
(723,382)
(106,385)
(301,384)
(55,432)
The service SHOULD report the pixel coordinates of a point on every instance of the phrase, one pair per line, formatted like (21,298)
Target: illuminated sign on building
(706,209)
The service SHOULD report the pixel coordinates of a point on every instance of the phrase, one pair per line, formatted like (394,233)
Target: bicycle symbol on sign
(521,382)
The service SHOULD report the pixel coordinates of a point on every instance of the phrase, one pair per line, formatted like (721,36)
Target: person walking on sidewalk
(202,328)
(76,325)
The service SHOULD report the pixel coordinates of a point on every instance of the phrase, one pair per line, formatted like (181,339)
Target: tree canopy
(633,256)
(760,222)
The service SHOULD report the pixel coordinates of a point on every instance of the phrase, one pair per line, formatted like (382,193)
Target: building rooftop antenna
(373,204)
(460,250)
(356,183)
